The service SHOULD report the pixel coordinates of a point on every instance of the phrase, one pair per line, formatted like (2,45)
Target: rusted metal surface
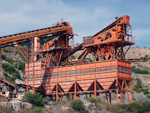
(107,74)
(77,79)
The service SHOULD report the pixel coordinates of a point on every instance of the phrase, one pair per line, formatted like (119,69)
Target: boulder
(27,106)
(64,108)
(20,96)
(17,105)
(6,104)
(18,81)
(47,106)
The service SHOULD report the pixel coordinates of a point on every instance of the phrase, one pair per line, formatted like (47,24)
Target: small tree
(38,110)
(77,105)
(36,99)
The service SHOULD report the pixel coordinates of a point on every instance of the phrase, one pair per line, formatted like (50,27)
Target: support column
(127,91)
(57,92)
(75,85)
(95,82)
(110,97)
(57,86)
(131,91)
(117,91)
(33,54)
(106,97)
(28,70)
(0,69)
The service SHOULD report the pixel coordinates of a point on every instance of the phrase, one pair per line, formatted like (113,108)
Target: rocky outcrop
(16,105)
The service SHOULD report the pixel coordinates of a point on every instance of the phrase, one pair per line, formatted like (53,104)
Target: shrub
(21,66)
(145,107)
(38,110)
(5,74)
(94,100)
(17,75)
(5,50)
(133,106)
(77,105)
(3,57)
(9,68)
(138,87)
(139,71)
(145,91)
(11,61)
(73,57)
(36,99)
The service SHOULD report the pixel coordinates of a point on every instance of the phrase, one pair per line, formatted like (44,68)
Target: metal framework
(107,46)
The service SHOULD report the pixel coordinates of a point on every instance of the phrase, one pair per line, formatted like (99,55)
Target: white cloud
(23,15)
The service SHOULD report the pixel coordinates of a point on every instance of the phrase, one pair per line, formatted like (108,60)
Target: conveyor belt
(10,39)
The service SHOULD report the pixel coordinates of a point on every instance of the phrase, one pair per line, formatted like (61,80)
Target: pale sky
(87,17)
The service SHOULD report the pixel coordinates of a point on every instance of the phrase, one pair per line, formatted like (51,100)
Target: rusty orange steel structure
(109,42)
(110,73)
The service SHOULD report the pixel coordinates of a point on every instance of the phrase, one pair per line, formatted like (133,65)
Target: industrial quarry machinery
(110,73)
(108,43)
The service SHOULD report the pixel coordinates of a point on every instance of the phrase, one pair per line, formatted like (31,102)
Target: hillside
(13,69)
(13,65)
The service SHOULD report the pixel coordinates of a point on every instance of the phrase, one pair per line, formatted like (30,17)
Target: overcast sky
(87,17)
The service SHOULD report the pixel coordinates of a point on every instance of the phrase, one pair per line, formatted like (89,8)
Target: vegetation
(5,50)
(36,99)
(138,87)
(11,61)
(90,60)
(3,57)
(73,57)
(78,105)
(135,107)
(20,65)
(11,70)
(94,100)
(46,39)
(38,110)
(139,71)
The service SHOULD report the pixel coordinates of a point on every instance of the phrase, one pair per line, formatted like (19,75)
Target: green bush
(3,57)
(38,110)
(90,60)
(36,99)
(94,100)
(17,75)
(5,74)
(139,71)
(73,57)
(135,107)
(5,50)
(10,60)
(145,107)
(138,87)
(21,66)
(10,69)
(145,91)
(77,105)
